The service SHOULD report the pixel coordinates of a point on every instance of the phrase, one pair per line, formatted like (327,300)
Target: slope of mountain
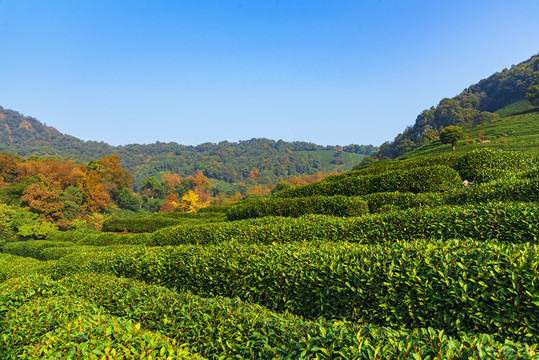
(271,160)
(515,133)
(476,105)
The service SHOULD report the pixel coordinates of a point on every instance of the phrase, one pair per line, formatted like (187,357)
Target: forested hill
(475,105)
(270,161)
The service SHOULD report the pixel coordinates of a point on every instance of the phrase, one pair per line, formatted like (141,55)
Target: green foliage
(328,205)
(33,248)
(472,166)
(67,325)
(16,222)
(532,95)
(127,200)
(12,266)
(453,285)
(144,224)
(212,209)
(137,224)
(216,328)
(474,106)
(515,108)
(509,222)
(513,133)
(451,134)
(435,178)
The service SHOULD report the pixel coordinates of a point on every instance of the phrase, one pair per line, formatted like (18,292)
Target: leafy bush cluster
(436,178)
(95,316)
(469,165)
(457,286)
(294,207)
(146,224)
(510,222)
(506,189)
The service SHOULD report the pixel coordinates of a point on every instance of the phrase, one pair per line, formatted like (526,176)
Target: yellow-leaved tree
(189,202)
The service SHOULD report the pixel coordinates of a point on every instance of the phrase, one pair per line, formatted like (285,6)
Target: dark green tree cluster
(532,95)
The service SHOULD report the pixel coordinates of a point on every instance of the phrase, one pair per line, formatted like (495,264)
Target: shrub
(33,248)
(436,178)
(215,328)
(457,286)
(328,205)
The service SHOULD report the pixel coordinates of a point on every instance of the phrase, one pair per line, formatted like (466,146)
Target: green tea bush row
(33,248)
(138,224)
(97,238)
(46,250)
(469,165)
(294,207)
(448,159)
(62,324)
(13,266)
(146,224)
(457,286)
(377,202)
(505,189)
(510,222)
(221,328)
(213,209)
(437,178)
(70,236)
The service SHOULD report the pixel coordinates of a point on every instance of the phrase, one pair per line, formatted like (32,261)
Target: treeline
(475,105)
(225,161)
(60,192)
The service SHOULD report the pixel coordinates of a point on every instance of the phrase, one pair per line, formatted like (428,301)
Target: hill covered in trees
(226,161)
(479,104)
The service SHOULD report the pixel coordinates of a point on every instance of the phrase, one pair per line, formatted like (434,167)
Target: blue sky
(193,71)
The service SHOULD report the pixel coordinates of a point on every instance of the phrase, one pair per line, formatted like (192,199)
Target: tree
(532,95)
(451,134)
(152,188)
(189,202)
(38,199)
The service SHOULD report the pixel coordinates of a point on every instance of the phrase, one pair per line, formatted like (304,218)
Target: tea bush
(33,248)
(437,178)
(221,327)
(294,207)
(467,286)
(510,222)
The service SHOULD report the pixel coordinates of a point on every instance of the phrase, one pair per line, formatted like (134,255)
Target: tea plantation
(399,260)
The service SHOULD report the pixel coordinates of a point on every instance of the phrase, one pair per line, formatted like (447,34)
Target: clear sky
(192,71)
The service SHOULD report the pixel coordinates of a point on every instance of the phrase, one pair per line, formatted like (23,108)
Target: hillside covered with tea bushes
(396,260)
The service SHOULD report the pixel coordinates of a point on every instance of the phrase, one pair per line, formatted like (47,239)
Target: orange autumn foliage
(113,172)
(171,203)
(38,199)
(259,190)
(57,173)
(171,181)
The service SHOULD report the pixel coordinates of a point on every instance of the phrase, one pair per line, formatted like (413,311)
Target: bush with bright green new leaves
(148,318)
(458,286)
(294,207)
(436,178)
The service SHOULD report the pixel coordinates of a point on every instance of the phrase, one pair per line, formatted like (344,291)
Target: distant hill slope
(479,104)
(271,160)
(516,133)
